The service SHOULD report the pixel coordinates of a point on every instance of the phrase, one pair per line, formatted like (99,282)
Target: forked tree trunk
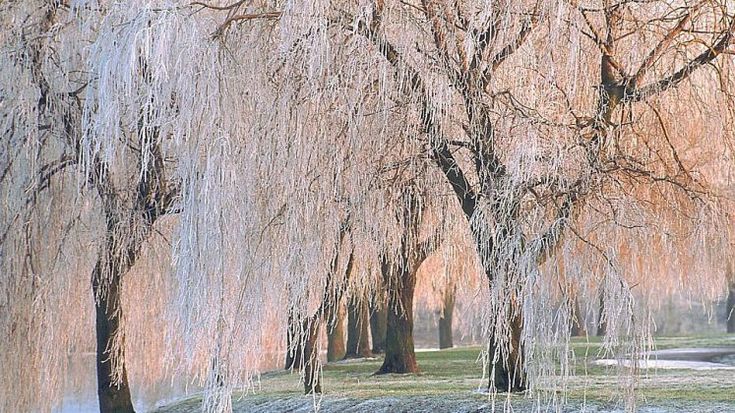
(399,348)
(731,305)
(358,321)
(379,325)
(336,334)
(312,381)
(113,397)
(577,325)
(445,319)
(507,373)
(152,200)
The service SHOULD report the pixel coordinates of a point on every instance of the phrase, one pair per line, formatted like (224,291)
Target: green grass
(456,374)
(441,373)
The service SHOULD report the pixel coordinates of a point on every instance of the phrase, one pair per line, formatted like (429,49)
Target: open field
(450,380)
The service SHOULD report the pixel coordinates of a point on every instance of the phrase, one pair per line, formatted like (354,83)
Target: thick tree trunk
(336,334)
(507,372)
(312,381)
(399,347)
(113,397)
(731,306)
(577,329)
(445,320)
(379,326)
(358,321)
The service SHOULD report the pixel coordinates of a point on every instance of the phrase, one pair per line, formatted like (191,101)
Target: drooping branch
(333,295)
(45,174)
(484,38)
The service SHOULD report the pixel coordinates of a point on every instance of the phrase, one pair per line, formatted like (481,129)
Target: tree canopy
(229,158)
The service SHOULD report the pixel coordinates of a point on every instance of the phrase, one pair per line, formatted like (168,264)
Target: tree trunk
(336,334)
(507,364)
(303,352)
(399,347)
(123,244)
(113,397)
(358,341)
(578,329)
(312,381)
(294,345)
(445,320)
(379,326)
(602,321)
(731,306)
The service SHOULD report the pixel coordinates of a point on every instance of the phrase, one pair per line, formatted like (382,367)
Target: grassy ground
(450,381)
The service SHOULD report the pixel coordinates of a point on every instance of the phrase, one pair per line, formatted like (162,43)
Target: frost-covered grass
(656,386)
(450,379)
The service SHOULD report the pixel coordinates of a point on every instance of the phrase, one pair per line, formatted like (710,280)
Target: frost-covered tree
(399,278)
(48,151)
(53,205)
(559,130)
(542,146)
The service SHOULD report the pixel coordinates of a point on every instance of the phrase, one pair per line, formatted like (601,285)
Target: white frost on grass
(666,364)
(678,358)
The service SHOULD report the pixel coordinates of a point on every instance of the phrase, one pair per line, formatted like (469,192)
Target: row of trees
(316,149)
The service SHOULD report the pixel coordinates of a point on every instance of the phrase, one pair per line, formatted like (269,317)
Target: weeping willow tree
(51,154)
(527,154)
(559,130)
(101,92)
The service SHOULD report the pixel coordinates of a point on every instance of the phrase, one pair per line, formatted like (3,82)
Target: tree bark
(336,334)
(358,340)
(379,324)
(507,372)
(399,347)
(445,320)
(113,397)
(312,381)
